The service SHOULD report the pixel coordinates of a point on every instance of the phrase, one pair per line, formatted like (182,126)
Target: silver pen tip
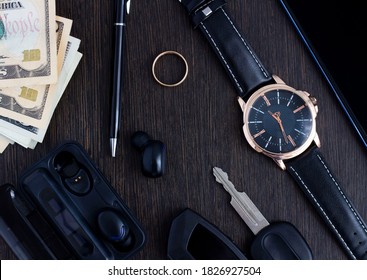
(113,144)
(128,3)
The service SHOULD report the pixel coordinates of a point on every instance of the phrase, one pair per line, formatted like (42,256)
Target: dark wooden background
(199,121)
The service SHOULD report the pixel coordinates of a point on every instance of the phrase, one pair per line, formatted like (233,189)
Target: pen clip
(128,2)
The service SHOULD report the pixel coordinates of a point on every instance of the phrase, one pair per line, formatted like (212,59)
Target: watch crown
(314,102)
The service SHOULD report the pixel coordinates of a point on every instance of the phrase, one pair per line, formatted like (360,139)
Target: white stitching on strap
(322,210)
(341,192)
(220,53)
(246,45)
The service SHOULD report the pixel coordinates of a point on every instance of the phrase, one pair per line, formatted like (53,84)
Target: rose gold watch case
(309,101)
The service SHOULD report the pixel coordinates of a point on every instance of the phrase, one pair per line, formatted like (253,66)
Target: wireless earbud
(114,229)
(153,161)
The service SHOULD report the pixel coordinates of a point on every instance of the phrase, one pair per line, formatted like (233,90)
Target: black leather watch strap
(313,175)
(240,62)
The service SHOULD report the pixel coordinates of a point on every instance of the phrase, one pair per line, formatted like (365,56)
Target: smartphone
(335,34)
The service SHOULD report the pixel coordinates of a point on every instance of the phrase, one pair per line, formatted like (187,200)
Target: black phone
(335,34)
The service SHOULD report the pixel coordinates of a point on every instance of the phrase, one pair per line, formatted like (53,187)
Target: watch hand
(276,116)
(282,129)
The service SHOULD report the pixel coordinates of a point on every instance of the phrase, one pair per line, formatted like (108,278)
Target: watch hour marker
(291,140)
(266,100)
(290,100)
(300,132)
(299,109)
(280,144)
(278,97)
(304,120)
(256,109)
(267,143)
(259,133)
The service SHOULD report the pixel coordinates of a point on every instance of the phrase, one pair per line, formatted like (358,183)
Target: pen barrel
(120,11)
(117,81)
(116,103)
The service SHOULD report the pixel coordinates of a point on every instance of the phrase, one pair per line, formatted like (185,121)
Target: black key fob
(280,241)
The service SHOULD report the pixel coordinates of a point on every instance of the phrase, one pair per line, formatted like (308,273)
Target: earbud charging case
(64,208)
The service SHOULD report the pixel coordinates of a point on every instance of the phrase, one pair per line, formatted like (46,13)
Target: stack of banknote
(38,57)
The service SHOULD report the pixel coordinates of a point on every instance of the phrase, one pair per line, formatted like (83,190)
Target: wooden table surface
(199,121)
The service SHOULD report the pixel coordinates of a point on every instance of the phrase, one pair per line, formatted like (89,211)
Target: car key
(277,241)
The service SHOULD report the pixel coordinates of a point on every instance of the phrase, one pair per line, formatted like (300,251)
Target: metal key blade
(242,203)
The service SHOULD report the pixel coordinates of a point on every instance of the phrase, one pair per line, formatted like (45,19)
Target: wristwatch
(280,122)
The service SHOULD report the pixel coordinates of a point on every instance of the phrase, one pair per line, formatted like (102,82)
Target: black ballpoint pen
(122,8)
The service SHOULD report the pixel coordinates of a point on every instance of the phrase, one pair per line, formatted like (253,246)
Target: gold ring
(166,53)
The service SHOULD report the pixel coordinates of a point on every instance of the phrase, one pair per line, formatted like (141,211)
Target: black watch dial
(279,121)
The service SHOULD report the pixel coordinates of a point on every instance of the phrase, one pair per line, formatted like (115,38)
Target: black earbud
(73,175)
(114,229)
(153,163)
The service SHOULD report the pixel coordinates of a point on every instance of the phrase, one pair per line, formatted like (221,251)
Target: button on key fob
(276,241)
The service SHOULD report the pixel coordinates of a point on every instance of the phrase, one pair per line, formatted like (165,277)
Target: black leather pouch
(64,208)
(192,237)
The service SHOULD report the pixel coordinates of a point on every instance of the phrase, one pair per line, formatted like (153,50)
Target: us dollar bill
(27,135)
(27,104)
(27,42)
(4,142)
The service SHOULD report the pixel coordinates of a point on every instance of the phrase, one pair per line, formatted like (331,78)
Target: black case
(192,237)
(64,208)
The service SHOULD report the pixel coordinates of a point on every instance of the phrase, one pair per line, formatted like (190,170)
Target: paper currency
(27,42)
(26,104)
(61,90)
(25,135)
(14,135)
(4,142)
(25,114)
(62,34)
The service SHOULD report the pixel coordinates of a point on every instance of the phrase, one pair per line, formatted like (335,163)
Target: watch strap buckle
(202,9)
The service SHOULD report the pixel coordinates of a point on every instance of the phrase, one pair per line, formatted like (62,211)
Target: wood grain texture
(199,121)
